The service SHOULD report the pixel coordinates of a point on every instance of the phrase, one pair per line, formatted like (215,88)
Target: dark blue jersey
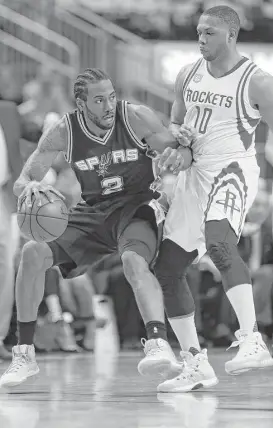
(110,167)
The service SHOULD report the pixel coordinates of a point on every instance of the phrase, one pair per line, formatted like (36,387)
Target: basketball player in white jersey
(219,102)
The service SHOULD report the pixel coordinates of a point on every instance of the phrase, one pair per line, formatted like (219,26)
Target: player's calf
(36,259)
(221,243)
(159,357)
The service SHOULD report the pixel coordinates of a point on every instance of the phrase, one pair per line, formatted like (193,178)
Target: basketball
(44,222)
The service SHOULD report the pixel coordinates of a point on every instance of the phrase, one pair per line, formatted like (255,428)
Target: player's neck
(222,65)
(93,128)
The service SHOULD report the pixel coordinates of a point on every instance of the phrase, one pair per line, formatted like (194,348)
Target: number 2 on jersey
(112,184)
(202,119)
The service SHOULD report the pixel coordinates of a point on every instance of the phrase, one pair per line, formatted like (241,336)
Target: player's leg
(182,233)
(36,258)
(221,243)
(171,268)
(137,247)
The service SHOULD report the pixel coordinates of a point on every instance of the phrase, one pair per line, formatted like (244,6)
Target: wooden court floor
(105,390)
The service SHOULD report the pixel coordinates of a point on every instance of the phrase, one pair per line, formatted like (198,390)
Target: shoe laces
(17,362)
(152,347)
(191,366)
(248,345)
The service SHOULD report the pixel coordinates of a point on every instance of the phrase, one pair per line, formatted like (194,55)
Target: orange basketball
(44,222)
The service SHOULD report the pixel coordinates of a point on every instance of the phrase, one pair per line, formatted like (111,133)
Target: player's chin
(206,55)
(108,122)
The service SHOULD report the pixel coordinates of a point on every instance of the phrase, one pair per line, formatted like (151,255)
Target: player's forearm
(35,168)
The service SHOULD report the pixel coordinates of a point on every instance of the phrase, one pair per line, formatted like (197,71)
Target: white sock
(54,307)
(185,331)
(241,299)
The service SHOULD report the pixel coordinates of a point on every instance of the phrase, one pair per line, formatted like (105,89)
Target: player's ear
(232,35)
(80,104)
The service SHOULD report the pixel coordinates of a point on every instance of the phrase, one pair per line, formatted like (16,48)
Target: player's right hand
(37,188)
(185,135)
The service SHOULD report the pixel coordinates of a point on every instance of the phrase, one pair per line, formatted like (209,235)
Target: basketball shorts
(223,190)
(95,232)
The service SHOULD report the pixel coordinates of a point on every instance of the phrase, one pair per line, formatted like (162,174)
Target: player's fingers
(37,195)
(28,194)
(21,198)
(188,128)
(184,140)
(58,193)
(185,132)
(48,193)
(163,157)
(178,164)
(170,161)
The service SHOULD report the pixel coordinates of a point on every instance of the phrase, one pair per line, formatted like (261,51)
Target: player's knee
(178,299)
(134,266)
(221,254)
(36,256)
(172,260)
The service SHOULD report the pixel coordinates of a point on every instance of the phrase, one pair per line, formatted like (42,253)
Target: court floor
(105,390)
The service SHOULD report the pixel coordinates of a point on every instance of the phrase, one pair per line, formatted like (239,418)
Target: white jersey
(220,110)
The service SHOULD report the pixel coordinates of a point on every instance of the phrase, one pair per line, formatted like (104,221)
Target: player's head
(96,97)
(217,30)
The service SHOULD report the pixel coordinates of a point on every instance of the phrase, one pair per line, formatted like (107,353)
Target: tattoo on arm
(51,143)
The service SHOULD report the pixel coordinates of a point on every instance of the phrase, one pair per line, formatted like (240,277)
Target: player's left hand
(186,135)
(171,159)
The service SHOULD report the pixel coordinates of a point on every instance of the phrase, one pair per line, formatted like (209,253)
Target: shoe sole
(155,367)
(233,370)
(17,383)
(205,384)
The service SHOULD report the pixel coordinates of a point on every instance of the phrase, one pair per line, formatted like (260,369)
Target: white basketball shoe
(196,373)
(253,353)
(22,367)
(159,358)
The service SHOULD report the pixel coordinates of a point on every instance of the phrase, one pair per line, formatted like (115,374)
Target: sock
(185,331)
(156,330)
(26,332)
(241,299)
(54,307)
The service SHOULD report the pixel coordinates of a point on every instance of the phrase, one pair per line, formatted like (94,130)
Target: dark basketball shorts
(95,232)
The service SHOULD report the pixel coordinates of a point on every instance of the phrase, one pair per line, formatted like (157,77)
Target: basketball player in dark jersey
(106,143)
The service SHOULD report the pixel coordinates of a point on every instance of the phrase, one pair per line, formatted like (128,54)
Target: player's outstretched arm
(51,143)
(261,95)
(150,129)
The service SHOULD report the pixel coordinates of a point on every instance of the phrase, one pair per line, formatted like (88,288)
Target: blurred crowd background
(142,45)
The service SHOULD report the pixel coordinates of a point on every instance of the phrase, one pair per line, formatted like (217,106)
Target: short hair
(88,76)
(226,14)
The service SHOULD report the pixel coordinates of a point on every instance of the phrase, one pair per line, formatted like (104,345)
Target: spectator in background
(43,95)
(10,169)
(10,84)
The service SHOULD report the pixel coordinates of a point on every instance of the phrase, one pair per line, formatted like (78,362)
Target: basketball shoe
(22,367)
(196,373)
(159,358)
(253,353)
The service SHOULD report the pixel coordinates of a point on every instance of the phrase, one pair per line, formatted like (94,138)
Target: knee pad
(178,299)
(170,270)
(226,258)
(173,260)
(221,254)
